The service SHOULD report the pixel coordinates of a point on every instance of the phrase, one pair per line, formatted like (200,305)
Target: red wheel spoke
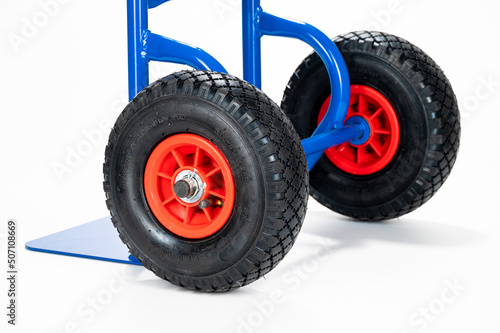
(187,215)
(352,101)
(209,213)
(377,113)
(362,104)
(384,132)
(217,194)
(168,200)
(196,157)
(213,172)
(179,158)
(348,152)
(359,155)
(164,175)
(375,148)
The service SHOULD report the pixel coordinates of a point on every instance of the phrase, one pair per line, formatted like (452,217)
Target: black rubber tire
(265,157)
(427,113)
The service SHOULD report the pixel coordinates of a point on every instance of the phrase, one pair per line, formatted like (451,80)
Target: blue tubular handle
(137,25)
(155,3)
(251,42)
(164,49)
(144,46)
(337,71)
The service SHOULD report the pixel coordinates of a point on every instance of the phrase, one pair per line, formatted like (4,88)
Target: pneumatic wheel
(205,180)
(414,127)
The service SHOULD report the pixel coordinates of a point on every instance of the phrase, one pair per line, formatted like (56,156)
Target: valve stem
(203,204)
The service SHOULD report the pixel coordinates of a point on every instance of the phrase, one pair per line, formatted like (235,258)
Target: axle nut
(184,189)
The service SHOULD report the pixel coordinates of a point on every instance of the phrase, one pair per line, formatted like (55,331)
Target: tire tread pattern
(284,167)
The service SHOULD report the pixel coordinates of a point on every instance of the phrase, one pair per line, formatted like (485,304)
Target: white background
(69,76)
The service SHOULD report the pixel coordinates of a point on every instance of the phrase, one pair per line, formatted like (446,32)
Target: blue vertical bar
(251,42)
(137,26)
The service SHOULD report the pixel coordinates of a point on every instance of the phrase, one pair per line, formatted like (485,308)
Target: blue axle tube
(144,46)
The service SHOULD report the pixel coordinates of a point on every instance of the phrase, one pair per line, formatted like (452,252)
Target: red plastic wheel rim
(380,148)
(193,153)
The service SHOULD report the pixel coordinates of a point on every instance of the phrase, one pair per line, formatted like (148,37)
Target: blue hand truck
(207,179)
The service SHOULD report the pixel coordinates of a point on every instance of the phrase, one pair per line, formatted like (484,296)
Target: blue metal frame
(98,239)
(145,46)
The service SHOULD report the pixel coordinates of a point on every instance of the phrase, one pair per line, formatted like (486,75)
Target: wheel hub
(189,186)
(376,150)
